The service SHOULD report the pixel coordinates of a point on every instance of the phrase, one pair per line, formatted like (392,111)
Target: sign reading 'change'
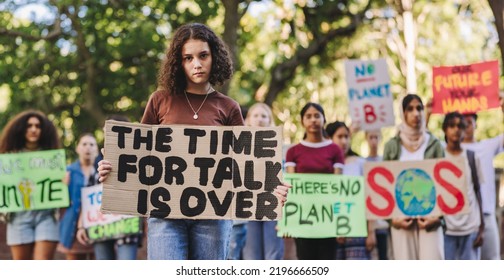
(197,172)
(101,226)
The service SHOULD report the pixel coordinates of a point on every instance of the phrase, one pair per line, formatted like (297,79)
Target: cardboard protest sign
(324,205)
(369,93)
(196,172)
(465,88)
(33,181)
(415,188)
(101,226)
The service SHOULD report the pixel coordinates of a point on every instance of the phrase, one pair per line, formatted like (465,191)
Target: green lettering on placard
(33,181)
(117,229)
(323,206)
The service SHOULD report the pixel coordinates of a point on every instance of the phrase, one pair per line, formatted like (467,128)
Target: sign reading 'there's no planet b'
(323,206)
(196,172)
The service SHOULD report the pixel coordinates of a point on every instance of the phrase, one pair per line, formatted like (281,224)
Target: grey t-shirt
(464,224)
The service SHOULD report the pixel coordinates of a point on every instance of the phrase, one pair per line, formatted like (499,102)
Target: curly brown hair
(13,137)
(172,76)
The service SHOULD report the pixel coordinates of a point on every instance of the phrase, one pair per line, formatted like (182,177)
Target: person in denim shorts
(31,234)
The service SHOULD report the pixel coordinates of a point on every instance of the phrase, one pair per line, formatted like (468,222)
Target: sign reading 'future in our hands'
(465,88)
(197,172)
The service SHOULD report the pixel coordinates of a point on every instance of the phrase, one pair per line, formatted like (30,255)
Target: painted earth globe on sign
(415,192)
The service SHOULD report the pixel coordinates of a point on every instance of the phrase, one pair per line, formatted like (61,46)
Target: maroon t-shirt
(218,109)
(320,157)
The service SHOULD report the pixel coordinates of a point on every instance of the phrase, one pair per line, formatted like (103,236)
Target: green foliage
(107,54)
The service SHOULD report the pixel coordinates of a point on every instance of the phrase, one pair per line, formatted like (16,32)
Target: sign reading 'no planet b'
(197,172)
(369,93)
(33,181)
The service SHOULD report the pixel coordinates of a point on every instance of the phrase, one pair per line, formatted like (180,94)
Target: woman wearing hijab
(420,238)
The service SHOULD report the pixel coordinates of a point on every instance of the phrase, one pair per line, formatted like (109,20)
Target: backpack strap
(474,171)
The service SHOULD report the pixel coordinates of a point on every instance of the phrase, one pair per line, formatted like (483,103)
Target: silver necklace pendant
(195,116)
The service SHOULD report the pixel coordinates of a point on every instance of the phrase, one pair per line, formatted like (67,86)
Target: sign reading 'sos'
(415,188)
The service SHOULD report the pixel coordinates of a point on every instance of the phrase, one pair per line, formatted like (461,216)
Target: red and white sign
(465,88)
(91,203)
(369,95)
(415,188)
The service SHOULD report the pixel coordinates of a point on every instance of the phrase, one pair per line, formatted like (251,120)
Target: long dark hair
(13,136)
(331,130)
(317,107)
(407,100)
(172,76)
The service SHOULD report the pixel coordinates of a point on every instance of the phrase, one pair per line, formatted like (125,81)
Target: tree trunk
(91,105)
(230,36)
(497,7)
(409,38)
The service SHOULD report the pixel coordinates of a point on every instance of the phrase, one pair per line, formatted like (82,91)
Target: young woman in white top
(351,248)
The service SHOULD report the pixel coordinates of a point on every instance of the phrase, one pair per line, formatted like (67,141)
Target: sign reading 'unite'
(197,172)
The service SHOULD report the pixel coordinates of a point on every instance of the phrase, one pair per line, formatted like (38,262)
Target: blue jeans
(188,239)
(262,242)
(105,250)
(237,242)
(461,247)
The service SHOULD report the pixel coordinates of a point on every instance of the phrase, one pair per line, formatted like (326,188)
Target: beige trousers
(417,244)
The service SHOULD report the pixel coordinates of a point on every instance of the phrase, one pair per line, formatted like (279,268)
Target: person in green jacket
(420,238)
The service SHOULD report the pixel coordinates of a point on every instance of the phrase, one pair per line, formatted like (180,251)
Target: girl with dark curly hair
(31,234)
(195,61)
